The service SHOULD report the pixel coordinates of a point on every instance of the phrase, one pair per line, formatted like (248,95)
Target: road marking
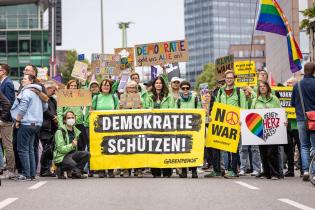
(37,185)
(7,202)
(246,185)
(295,204)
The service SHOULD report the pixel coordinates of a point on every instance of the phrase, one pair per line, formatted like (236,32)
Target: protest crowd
(39,137)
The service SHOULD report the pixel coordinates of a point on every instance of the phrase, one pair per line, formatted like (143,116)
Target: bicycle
(312,168)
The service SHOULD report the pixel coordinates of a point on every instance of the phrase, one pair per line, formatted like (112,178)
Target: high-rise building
(211,26)
(23,34)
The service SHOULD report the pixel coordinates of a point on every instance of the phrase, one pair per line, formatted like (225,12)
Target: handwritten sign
(130,101)
(284,94)
(161,53)
(108,64)
(80,71)
(245,72)
(78,97)
(127,58)
(222,64)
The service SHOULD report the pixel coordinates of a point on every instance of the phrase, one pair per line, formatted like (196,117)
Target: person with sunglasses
(187,100)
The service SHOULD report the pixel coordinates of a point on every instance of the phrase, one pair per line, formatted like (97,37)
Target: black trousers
(270,160)
(293,138)
(192,169)
(216,160)
(18,165)
(83,138)
(75,161)
(47,155)
(160,171)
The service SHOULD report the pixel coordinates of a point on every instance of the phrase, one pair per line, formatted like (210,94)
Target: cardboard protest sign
(205,100)
(130,101)
(245,72)
(284,94)
(157,138)
(224,129)
(263,126)
(74,97)
(127,58)
(108,64)
(123,81)
(42,73)
(222,64)
(80,71)
(161,53)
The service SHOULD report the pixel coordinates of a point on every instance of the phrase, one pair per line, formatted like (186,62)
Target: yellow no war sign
(224,128)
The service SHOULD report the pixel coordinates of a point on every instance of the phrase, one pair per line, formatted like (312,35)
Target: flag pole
(252,40)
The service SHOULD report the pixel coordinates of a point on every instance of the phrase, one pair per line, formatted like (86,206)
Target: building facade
(211,26)
(241,52)
(24,38)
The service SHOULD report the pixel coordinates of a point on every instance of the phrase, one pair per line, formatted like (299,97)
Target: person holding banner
(269,153)
(105,101)
(66,154)
(187,100)
(246,150)
(231,95)
(160,99)
(78,111)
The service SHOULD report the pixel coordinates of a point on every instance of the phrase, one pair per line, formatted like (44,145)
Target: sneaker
(306,176)
(230,175)
(274,178)
(10,175)
(78,176)
(101,174)
(125,173)
(182,175)
(289,174)
(213,174)
(140,174)
(242,173)
(21,178)
(34,178)
(255,173)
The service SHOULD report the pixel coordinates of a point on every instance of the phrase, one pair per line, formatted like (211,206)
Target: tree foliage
(308,14)
(207,76)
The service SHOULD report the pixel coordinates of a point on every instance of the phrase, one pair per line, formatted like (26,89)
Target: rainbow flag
(272,19)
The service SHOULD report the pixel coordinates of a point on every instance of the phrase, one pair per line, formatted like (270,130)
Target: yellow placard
(74,97)
(224,128)
(163,138)
(245,72)
(284,94)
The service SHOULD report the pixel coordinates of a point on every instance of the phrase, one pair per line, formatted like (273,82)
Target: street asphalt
(157,193)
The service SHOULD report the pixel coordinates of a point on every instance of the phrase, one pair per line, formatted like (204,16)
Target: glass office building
(211,26)
(23,37)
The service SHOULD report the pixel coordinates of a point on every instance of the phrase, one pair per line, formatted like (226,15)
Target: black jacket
(49,127)
(5,106)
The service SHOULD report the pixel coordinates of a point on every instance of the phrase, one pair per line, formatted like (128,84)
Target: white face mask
(70,122)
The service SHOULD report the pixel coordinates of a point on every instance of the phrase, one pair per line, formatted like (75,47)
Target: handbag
(310,115)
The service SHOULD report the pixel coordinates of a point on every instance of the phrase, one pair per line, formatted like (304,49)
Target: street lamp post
(53,38)
(102,28)
(123,26)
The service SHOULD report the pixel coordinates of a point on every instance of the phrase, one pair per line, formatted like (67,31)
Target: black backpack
(50,149)
(196,102)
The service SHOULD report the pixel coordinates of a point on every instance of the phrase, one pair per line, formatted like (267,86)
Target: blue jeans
(25,147)
(1,157)
(244,154)
(307,140)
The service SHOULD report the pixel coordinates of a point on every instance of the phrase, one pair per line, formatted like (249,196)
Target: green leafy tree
(308,14)
(207,76)
(66,69)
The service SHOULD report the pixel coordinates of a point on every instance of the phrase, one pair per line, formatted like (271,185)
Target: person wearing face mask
(187,100)
(49,127)
(27,112)
(66,154)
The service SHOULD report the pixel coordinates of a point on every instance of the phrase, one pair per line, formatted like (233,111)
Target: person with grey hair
(49,127)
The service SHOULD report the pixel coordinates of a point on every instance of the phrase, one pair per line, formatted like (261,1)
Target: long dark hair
(164,91)
(268,89)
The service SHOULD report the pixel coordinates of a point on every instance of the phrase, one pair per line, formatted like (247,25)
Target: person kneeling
(66,154)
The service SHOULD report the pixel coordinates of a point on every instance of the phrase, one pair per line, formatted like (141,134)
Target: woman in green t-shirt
(105,101)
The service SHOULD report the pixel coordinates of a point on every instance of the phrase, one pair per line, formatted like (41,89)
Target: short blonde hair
(229,71)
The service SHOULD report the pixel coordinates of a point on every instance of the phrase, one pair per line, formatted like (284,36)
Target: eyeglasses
(185,88)
(229,78)
(176,82)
